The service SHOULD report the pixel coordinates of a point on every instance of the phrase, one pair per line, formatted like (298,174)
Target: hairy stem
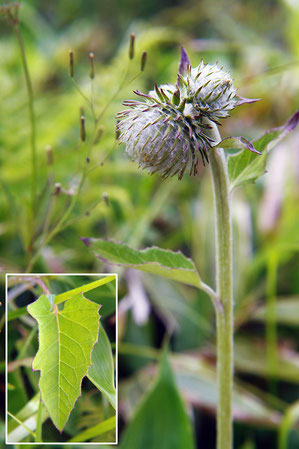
(31,118)
(224,290)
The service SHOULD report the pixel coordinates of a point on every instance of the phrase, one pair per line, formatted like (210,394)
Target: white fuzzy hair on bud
(210,90)
(168,130)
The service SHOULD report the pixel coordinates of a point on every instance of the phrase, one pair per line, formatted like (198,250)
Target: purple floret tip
(243,100)
(85,240)
(184,62)
(293,121)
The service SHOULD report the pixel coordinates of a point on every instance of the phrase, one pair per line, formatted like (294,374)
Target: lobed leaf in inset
(66,340)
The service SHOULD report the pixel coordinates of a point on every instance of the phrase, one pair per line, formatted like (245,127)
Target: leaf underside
(66,340)
(246,167)
(166,263)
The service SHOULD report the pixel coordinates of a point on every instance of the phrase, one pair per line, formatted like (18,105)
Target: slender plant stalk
(271,327)
(31,118)
(224,290)
(39,421)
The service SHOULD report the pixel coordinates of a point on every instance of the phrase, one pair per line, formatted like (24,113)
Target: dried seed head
(168,130)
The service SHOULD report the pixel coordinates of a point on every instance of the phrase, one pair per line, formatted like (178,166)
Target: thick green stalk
(224,290)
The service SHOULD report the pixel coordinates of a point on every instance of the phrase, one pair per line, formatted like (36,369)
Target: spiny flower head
(208,88)
(167,131)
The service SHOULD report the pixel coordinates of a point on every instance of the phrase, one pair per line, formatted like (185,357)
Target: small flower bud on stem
(49,152)
(143,60)
(10,11)
(91,71)
(105,198)
(57,188)
(82,128)
(71,63)
(132,46)
(98,135)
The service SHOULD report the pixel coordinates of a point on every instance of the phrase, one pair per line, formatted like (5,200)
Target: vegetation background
(258,42)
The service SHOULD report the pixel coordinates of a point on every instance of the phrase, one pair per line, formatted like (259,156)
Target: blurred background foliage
(256,41)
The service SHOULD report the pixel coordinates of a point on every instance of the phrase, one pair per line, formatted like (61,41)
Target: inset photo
(61,358)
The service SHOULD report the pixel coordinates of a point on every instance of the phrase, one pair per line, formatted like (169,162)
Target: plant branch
(31,118)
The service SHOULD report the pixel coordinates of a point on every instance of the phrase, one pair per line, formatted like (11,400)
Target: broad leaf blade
(66,340)
(161,421)
(197,382)
(245,167)
(169,264)
(101,371)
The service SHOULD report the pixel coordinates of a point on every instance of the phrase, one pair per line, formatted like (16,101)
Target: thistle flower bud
(210,90)
(168,130)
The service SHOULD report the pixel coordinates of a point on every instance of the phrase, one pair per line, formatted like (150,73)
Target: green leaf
(66,340)
(101,371)
(13,314)
(161,420)
(83,288)
(95,431)
(245,167)
(290,418)
(287,311)
(236,143)
(169,264)
(28,416)
(197,381)
(249,358)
